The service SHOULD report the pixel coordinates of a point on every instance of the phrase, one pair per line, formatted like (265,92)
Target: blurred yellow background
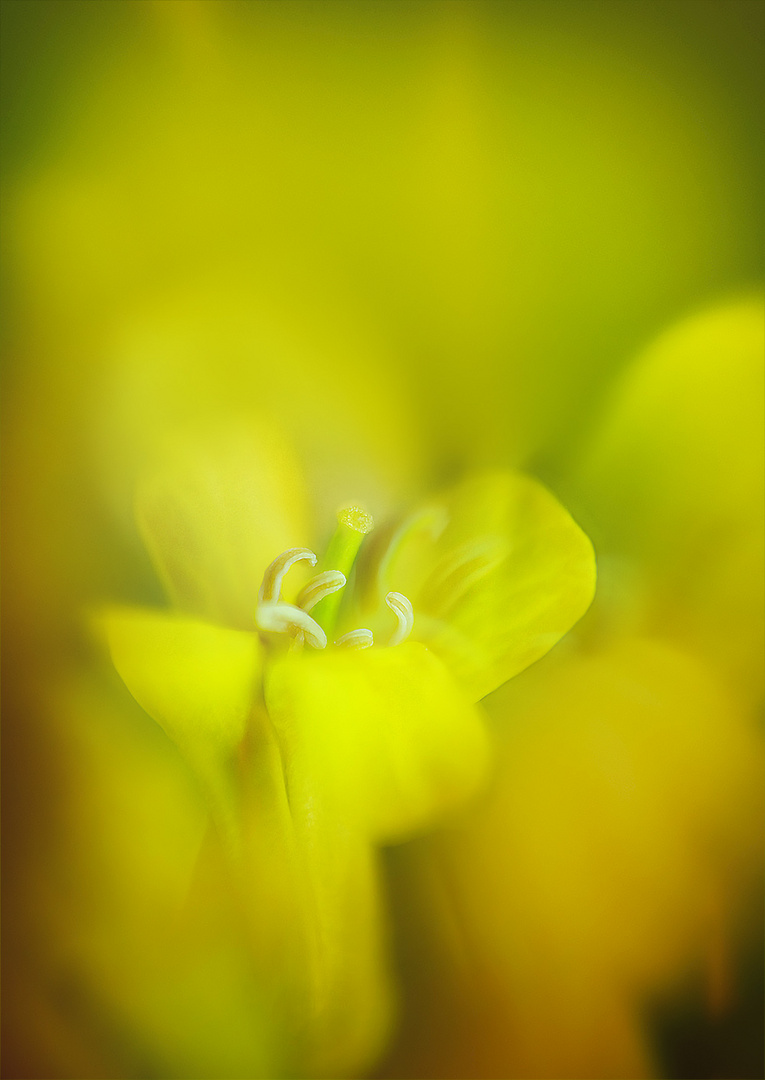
(404,240)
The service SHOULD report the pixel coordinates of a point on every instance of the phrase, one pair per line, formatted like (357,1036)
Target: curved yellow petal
(385,734)
(196,680)
(506,576)
(216,515)
(674,480)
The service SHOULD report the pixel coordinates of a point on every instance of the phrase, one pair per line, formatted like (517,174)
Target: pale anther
(286,618)
(272,579)
(357,639)
(404,613)
(317,588)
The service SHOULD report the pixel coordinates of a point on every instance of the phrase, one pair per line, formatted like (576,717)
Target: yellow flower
(344,717)
(420,239)
(610,872)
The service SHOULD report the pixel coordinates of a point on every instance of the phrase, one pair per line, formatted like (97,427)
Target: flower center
(313,618)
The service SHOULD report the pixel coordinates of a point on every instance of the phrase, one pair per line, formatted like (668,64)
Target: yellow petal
(507,577)
(385,735)
(216,515)
(198,681)
(675,478)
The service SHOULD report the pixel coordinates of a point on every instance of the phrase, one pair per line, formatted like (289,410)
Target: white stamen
(272,579)
(404,613)
(317,588)
(357,639)
(286,618)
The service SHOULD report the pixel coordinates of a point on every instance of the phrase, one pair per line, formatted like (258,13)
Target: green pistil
(353,524)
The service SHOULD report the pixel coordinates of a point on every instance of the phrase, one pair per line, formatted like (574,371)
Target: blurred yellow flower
(613,865)
(314,737)
(420,240)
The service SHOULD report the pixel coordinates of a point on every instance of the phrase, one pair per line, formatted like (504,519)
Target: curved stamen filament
(272,579)
(286,618)
(317,588)
(357,639)
(404,613)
